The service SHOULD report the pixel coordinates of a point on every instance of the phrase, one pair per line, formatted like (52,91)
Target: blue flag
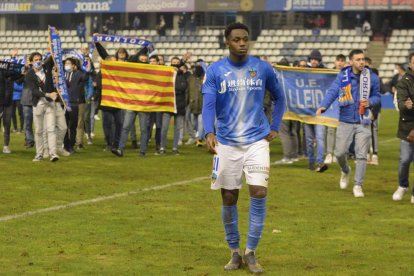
(56,51)
(304,90)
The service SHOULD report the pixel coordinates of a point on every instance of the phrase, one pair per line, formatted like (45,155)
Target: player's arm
(331,95)
(209,110)
(273,85)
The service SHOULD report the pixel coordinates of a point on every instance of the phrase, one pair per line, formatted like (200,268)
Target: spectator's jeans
(143,125)
(190,123)
(94,108)
(155,118)
(374,135)
(330,140)
(28,119)
(7,118)
(129,120)
(198,119)
(80,129)
(44,117)
(344,134)
(17,108)
(289,139)
(313,132)
(178,126)
(406,157)
(112,117)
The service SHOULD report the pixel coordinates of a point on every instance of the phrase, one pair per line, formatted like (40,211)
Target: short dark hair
(410,56)
(154,57)
(355,52)
(32,55)
(235,26)
(340,57)
(368,61)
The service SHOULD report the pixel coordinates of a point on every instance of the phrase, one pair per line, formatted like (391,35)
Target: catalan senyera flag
(138,86)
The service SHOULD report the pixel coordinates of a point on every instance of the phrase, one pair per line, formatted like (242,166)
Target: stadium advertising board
(30,7)
(91,6)
(378,4)
(231,5)
(159,5)
(304,5)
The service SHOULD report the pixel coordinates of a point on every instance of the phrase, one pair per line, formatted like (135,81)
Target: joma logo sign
(92,6)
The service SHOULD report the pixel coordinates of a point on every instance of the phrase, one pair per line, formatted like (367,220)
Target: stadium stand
(292,44)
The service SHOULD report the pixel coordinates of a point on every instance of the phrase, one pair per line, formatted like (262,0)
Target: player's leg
(256,168)
(227,176)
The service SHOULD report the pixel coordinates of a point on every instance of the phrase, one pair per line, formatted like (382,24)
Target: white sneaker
(180,142)
(6,150)
(374,160)
(358,191)
(96,117)
(283,161)
(92,135)
(399,193)
(343,183)
(63,152)
(37,158)
(412,199)
(190,141)
(328,159)
(54,157)
(334,160)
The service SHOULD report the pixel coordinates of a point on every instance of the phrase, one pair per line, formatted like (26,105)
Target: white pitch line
(389,140)
(99,199)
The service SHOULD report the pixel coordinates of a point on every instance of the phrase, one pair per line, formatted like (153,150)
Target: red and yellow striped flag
(138,86)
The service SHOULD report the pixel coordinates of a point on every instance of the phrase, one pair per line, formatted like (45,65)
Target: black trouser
(19,108)
(112,122)
(72,123)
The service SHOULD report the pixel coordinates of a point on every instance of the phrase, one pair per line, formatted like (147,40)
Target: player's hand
(408,103)
(14,52)
(410,137)
(320,111)
(272,135)
(211,142)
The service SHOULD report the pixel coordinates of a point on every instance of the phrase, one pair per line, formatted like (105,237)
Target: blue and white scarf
(364,91)
(56,51)
(127,40)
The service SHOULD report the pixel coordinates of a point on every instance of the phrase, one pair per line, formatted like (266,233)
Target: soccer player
(357,89)
(238,133)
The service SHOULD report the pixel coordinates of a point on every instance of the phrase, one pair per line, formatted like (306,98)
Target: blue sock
(257,214)
(230,220)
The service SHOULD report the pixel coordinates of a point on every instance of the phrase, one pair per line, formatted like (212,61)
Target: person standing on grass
(405,99)
(238,134)
(358,90)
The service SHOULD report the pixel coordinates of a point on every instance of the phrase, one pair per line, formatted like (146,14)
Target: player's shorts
(231,161)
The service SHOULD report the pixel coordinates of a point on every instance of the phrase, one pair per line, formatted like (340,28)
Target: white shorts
(231,161)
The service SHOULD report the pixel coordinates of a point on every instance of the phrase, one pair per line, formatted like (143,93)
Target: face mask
(37,65)
(175,65)
(68,68)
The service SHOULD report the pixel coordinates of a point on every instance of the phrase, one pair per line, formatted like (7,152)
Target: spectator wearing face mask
(195,101)
(75,83)
(180,97)
(40,84)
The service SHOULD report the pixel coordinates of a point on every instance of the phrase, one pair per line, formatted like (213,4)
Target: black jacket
(181,87)
(37,88)
(405,90)
(6,87)
(75,82)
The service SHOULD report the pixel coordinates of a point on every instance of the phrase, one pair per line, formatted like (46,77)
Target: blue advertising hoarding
(304,5)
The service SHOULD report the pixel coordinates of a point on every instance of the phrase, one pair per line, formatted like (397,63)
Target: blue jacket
(350,113)
(17,91)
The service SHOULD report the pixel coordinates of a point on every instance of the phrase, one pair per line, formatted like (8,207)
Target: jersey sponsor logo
(228,73)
